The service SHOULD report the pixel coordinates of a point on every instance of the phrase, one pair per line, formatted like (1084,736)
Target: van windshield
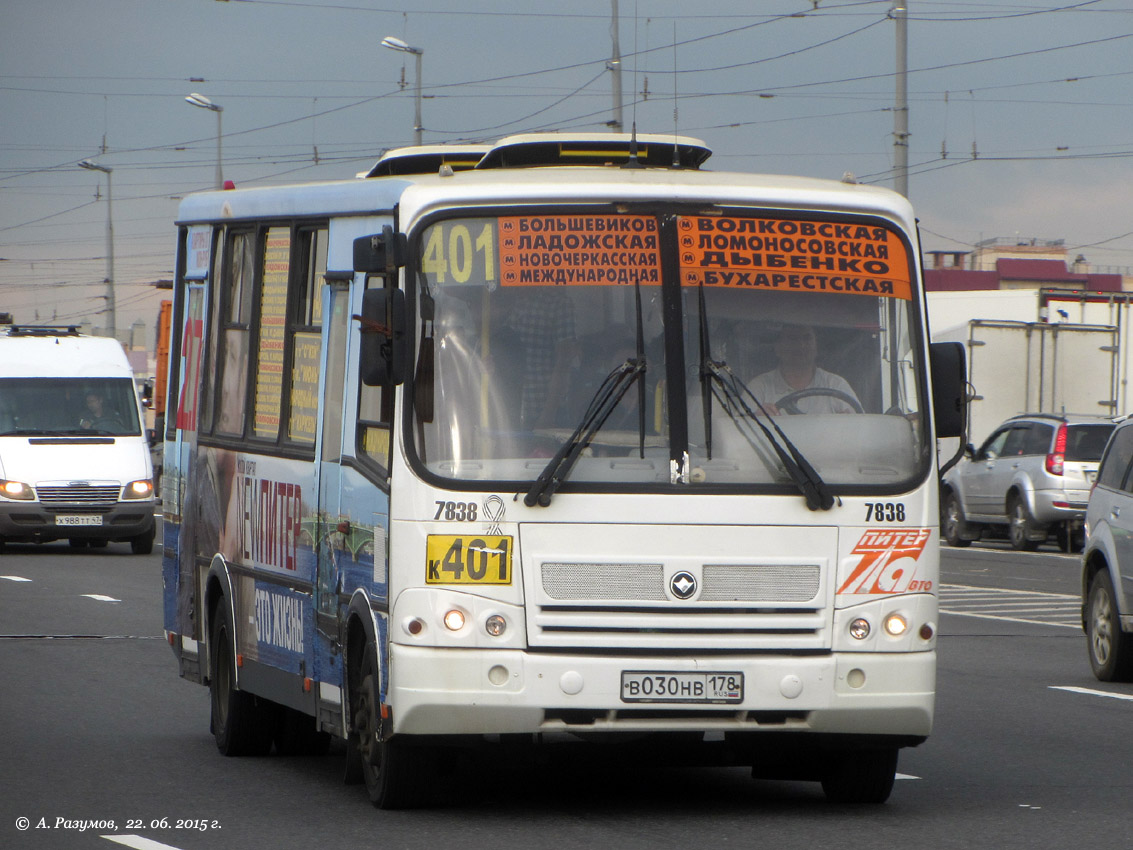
(68,407)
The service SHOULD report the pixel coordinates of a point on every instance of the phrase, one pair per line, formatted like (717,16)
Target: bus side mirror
(949,388)
(384,354)
(381,253)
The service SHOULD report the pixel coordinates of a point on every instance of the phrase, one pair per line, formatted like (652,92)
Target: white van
(74,457)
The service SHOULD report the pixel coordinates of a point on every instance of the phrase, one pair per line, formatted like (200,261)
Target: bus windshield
(69,407)
(726,343)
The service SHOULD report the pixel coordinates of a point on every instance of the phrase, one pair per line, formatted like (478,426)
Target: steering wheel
(787,402)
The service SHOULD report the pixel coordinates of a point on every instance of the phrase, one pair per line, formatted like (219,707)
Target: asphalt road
(1029,751)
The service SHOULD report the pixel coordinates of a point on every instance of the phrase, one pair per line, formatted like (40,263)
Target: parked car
(1031,477)
(1107,563)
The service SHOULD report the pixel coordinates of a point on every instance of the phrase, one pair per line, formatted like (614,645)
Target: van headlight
(141,489)
(16,490)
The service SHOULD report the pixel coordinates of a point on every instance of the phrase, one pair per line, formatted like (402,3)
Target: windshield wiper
(814,489)
(717,378)
(615,385)
(602,404)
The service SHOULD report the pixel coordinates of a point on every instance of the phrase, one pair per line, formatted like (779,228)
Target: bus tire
(395,772)
(240,722)
(860,776)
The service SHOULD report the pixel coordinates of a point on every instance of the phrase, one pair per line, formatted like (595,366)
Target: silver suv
(1107,564)
(1032,476)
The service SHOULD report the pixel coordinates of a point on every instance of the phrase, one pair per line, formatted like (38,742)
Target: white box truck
(74,456)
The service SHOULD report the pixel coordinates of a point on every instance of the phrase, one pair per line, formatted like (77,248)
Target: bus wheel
(240,722)
(396,773)
(861,776)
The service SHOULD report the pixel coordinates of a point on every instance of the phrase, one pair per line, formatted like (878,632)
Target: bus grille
(78,494)
(736,607)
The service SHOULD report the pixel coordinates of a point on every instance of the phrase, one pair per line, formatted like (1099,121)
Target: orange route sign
(793,255)
(579,250)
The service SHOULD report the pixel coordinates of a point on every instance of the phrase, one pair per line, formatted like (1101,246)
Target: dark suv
(1032,476)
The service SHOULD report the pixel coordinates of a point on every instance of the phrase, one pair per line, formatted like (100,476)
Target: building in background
(1044,333)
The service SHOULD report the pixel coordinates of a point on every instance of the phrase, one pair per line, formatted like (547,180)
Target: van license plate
(641,686)
(78,520)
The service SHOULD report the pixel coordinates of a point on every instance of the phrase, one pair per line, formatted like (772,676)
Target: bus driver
(796,348)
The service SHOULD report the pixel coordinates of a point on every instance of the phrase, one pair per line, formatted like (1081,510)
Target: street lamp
(399,45)
(110,306)
(204,103)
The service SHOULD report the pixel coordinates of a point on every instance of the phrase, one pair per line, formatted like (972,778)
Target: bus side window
(305,328)
(339,326)
(235,316)
(375,414)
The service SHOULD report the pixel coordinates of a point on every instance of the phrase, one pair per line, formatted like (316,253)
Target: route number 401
(455,251)
(468,559)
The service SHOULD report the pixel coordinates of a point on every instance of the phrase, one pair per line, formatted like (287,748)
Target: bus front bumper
(476,692)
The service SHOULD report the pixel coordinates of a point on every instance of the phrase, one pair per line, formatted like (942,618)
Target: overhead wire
(302,160)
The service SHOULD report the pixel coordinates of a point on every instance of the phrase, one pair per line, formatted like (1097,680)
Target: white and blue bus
(584,440)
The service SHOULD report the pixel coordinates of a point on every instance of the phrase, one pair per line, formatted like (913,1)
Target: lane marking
(1012,619)
(98,597)
(81,637)
(1035,607)
(1091,692)
(138,843)
(971,589)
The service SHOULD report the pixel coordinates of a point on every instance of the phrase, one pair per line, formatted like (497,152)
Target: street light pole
(204,103)
(111,311)
(615,67)
(900,15)
(400,46)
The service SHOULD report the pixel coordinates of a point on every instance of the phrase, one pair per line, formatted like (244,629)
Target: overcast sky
(1021,113)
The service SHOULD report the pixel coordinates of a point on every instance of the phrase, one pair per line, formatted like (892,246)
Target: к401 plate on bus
(468,559)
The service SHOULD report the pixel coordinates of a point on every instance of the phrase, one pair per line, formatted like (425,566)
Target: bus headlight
(896,625)
(16,490)
(860,629)
(495,625)
(141,489)
(454,620)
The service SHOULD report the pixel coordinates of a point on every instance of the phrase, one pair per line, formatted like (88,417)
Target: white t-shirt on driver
(771,386)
